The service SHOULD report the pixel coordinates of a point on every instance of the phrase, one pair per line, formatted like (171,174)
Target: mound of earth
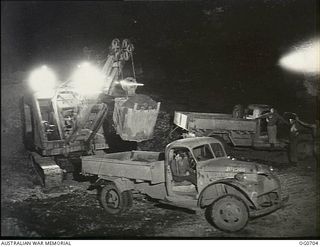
(143,102)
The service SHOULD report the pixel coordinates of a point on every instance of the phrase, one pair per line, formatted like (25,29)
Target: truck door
(183,170)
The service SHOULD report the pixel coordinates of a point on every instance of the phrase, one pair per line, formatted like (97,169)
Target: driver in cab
(182,168)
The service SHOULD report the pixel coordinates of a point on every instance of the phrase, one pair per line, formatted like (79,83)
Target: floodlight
(87,79)
(304,58)
(42,81)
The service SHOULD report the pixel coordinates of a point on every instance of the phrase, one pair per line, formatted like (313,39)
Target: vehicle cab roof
(192,142)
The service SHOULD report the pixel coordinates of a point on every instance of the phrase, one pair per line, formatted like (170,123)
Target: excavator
(64,121)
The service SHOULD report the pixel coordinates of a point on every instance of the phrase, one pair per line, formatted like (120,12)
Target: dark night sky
(220,52)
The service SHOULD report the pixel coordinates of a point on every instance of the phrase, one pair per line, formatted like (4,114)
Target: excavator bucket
(135,119)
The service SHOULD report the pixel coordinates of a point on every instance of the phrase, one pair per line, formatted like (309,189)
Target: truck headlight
(240,176)
(42,81)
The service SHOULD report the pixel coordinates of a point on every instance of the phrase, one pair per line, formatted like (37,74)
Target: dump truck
(245,131)
(65,121)
(230,192)
(240,130)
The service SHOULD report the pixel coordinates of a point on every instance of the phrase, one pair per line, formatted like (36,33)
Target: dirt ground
(74,212)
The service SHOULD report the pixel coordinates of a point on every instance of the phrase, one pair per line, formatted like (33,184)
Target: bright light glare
(127,82)
(42,81)
(304,59)
(87,79)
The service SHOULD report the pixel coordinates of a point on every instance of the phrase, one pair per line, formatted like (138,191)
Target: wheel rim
(230,213)
(112,199)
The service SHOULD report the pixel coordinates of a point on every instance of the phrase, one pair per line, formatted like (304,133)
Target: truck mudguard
(223,187)
(121,183)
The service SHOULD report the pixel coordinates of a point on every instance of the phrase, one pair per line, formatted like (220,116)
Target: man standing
(293,150)
(299,126)
(272,119)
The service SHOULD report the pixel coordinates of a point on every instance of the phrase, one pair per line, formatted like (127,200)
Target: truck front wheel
(229,213)
(114,201)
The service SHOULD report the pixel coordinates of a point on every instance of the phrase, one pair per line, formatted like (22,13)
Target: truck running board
(183,203)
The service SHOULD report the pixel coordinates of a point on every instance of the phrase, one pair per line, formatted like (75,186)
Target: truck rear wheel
(114,201)
(229,213)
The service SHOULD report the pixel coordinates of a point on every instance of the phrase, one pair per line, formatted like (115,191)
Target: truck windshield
(203,152)
(217,150)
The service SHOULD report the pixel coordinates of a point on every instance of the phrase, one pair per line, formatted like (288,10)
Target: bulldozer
(64,121)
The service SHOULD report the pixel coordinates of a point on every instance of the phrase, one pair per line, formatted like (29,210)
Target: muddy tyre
(229,213)
(114,201)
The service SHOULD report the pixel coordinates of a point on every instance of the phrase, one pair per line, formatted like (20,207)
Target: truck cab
(261,138)
(226,188)
(184,159)
(204,162)
(255,110)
